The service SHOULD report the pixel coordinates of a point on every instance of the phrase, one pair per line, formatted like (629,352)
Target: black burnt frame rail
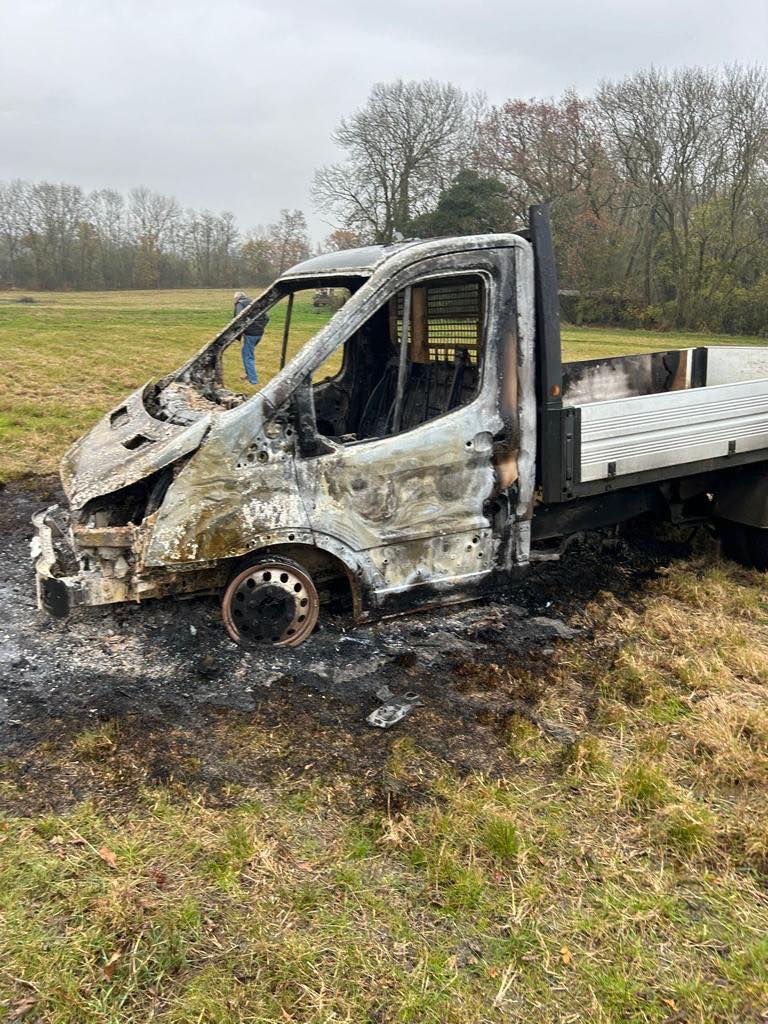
(555,428)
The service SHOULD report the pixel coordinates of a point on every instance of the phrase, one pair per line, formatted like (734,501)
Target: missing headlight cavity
(131,504)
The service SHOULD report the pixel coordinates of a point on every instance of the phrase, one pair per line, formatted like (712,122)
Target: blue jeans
(250,341)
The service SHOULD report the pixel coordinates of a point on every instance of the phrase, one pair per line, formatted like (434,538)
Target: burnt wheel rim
(270,603)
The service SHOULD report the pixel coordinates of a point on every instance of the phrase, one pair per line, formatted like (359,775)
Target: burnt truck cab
(447,434)
(409,472)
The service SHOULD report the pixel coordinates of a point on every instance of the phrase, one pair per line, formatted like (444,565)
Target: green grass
(600,342)
(69,357)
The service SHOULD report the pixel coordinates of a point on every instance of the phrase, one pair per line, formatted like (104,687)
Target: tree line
(61,237)
(658,187)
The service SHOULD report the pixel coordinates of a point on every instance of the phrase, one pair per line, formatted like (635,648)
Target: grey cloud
(230,106)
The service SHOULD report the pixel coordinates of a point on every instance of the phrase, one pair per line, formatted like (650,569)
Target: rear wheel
(272,601)
(747,545)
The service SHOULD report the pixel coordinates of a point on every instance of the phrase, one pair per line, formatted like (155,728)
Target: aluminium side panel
(635,435)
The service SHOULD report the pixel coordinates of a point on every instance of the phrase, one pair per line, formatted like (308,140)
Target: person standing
(251,339)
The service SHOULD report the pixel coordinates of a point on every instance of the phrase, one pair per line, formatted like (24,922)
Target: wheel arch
(323,553)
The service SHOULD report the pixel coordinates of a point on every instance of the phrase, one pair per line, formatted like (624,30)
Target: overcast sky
(229,104)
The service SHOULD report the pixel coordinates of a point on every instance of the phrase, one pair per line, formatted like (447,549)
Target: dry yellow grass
(618,879)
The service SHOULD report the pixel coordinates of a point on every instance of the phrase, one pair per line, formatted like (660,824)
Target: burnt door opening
(440,370)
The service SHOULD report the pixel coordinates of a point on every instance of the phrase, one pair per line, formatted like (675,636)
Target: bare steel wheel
(273,601)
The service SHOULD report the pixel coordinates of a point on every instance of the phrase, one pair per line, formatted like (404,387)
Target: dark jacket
(256,329)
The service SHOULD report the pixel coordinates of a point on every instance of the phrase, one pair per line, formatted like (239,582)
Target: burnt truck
(449,445)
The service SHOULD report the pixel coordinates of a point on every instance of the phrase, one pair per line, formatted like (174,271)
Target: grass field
(621,879)
(69,357)
(618,880)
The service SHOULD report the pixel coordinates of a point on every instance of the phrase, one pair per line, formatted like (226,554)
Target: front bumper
(69,575)
(97,565)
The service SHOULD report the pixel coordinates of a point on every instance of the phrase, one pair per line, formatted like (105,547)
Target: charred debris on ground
(179,692)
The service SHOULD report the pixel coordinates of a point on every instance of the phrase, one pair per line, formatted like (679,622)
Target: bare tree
(155,215)
(690,146)
(551,151)
(155,222)
(545,151)
(289,240)
(341,238)
(110,217)
(11,230)
(256,257)
(52,215)
(401,149)
(211,242)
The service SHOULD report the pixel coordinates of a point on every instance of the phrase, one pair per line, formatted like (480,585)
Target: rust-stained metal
(286,331)
(402,365)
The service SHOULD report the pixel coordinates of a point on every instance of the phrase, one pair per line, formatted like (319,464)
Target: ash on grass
(131,695)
